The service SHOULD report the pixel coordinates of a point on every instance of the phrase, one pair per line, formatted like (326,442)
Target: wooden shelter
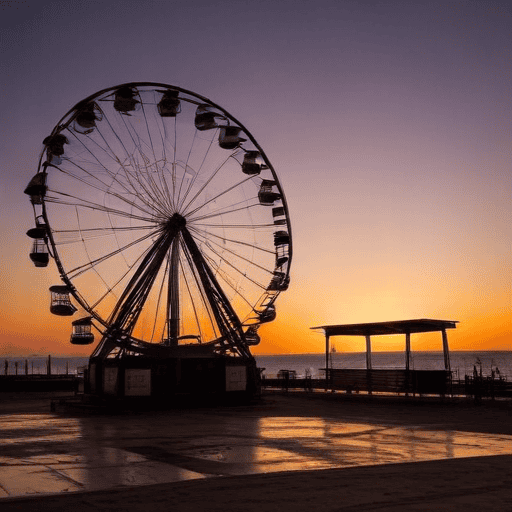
(401,380)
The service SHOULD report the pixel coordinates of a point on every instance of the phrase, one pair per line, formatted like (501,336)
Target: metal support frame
(407,351)
(173,294)
(446,351)
(368,352)
(128,308)
(327,338)
(233,338)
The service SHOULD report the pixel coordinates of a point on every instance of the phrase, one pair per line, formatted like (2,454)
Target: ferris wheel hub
(176,223)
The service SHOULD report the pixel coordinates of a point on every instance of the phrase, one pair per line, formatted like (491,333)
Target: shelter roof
(383,328)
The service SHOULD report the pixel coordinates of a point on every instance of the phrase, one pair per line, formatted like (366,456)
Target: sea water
(462,363)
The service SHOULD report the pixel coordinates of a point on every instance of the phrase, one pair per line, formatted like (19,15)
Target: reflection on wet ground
(50,453)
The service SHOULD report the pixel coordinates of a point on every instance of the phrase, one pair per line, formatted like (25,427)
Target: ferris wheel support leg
(131,303)
(226,318)
(173,297)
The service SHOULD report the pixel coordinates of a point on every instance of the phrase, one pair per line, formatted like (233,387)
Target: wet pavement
(51,453)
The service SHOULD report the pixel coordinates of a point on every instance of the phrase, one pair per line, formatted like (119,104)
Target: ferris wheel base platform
(143,382)
(94,404)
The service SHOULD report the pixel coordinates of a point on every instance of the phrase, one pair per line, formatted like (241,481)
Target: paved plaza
(66,451)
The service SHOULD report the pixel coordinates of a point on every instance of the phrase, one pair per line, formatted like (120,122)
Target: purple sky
(388,122)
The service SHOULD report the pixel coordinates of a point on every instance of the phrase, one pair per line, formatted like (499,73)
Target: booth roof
(383,328)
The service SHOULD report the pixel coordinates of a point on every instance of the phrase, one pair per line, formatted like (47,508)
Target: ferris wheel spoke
(113,175)
(199,298)
(226,279)
(111,288)
(148,131)
(110,228)
(186,166)
(160,292)
(191,297)
(226,318)
(106,150)
(165,141)
(174,162)
(70,236)
(251,227)
(83,203)
(162,185)
(87,252)
(200,289)
(230,189)
(131,159)
(165,189)
(163,162)
(135,182)
(104,167)
(77,271)
(225,211)
(235,268)
(149,167)
(208,234)
(106,189)
(149,197)
(118,138)
(209,244)
(198,171)
(203,187)
(129,307)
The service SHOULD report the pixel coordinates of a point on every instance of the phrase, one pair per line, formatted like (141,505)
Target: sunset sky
(388,123)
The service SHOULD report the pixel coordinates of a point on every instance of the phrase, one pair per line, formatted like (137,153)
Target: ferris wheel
(166,221)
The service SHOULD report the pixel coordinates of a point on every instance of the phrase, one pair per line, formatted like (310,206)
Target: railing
(397,381)
(39,382)
(435,382)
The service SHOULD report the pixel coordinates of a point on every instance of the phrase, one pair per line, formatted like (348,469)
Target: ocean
(462,363)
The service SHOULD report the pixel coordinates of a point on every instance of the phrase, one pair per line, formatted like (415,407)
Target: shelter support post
(368,352)
(326,361)
(446,351)
(407,351)
(369,363)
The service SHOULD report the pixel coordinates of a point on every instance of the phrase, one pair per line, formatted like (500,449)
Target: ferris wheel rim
(64,123)
(59,125)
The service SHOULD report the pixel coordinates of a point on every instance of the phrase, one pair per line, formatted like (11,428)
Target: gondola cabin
(124,100)
(55,147)
(250,165)
(207,118)
(229,137)
(281,241)
(39,254)
(169,105)
(279,216)
(38,232)
(279,282)
(37,188)
(85,120)
(82,333)
(61,304)
(269,315)
(266,194)
(252,337)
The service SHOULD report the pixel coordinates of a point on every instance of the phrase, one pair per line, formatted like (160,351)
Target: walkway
(45,452)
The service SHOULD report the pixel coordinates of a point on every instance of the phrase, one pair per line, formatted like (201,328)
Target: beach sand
(468,484)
